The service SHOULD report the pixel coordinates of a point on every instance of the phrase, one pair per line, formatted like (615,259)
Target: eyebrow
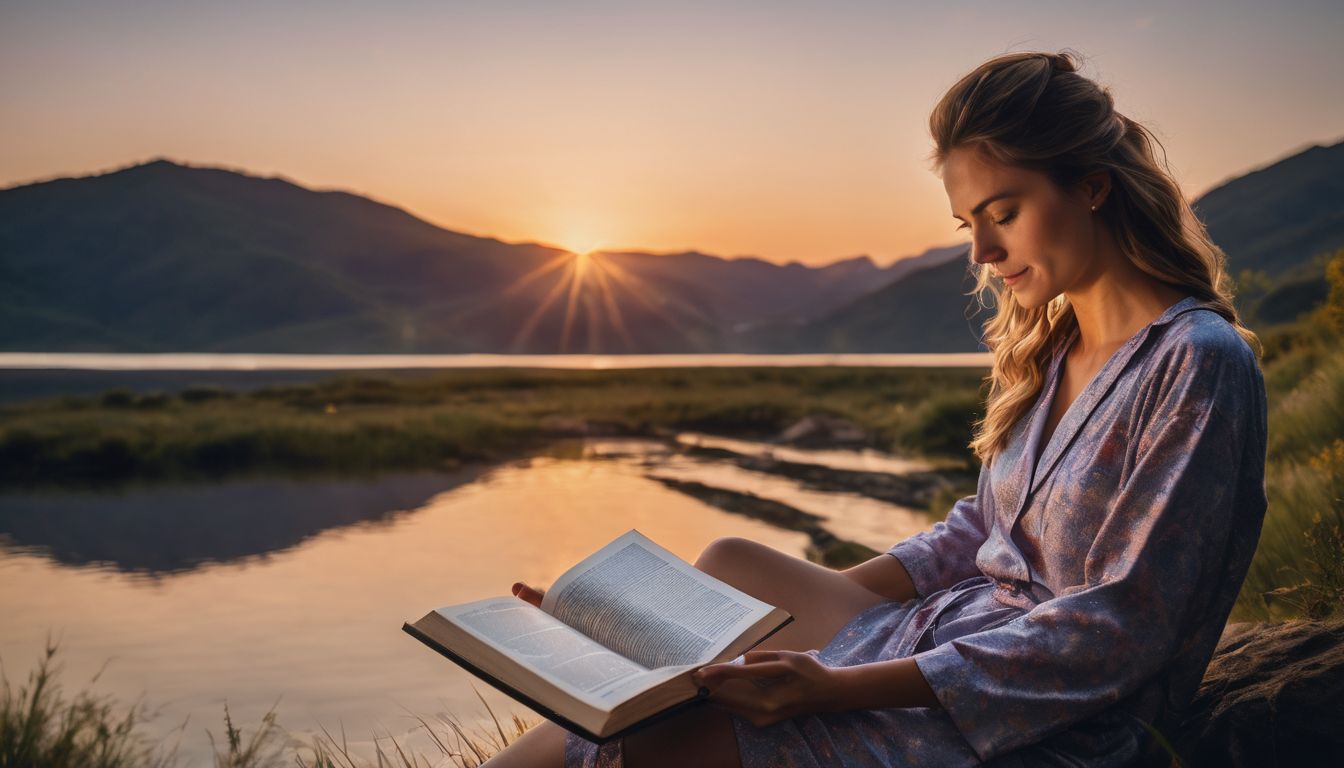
(996,196)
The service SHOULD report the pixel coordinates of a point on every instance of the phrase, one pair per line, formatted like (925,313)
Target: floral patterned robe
(1077,597)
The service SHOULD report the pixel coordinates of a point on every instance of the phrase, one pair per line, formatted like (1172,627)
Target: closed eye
(1011,215)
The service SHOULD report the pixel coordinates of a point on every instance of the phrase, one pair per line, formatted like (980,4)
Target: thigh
(820,600)
(701,736)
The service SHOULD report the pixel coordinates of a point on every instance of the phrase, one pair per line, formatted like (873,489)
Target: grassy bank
(368,423)
(1299,567)
(40,725)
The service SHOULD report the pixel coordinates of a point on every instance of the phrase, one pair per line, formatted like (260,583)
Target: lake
(27,375)
(257,591)
(181,361)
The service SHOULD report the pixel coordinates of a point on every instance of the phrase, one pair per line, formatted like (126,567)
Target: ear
(1095,188)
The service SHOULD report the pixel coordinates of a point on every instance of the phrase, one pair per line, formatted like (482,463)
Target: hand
(772,686)
(530,594)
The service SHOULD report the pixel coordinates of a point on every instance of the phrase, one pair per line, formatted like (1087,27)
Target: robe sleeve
(940,557)
(1148,575)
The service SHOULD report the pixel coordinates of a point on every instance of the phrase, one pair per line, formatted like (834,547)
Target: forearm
(890,683)
(883,684)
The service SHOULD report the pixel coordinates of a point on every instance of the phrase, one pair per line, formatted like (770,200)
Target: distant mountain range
(164,257)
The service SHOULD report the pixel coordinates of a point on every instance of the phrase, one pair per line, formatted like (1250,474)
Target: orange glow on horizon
(792,136)
(591,284)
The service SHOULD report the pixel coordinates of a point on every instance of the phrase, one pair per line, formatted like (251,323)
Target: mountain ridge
(163,256)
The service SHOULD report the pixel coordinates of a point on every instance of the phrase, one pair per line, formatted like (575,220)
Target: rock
(1273,695)
(821,430)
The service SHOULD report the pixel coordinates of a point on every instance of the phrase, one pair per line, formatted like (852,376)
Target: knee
(725,553)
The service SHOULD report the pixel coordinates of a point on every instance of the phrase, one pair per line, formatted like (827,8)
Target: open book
(614,643)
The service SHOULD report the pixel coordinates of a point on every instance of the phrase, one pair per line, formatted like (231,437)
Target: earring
(1094,207)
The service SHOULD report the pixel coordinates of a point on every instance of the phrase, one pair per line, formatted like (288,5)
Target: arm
(1147,577)
(885,576)
(941,557)
(882,684)
(938,558)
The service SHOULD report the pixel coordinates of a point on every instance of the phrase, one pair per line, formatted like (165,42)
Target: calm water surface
(184,361)
(256,591)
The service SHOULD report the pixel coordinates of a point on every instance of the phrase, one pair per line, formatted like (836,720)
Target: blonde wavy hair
(1033,110)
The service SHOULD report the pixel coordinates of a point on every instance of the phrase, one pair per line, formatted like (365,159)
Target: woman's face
(1043,241)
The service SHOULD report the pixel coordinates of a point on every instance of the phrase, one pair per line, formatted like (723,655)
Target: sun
(579,238)
(583,248)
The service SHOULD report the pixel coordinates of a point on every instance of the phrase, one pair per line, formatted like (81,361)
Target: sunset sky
(784,130)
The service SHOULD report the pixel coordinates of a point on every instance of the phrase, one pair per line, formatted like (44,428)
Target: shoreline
(349,426)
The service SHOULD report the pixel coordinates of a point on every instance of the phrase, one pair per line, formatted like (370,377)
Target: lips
(1010,279)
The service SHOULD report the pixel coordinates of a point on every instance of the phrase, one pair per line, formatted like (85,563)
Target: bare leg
(821,601)
(543,746)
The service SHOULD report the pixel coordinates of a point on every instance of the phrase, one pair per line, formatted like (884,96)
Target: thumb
(527,592)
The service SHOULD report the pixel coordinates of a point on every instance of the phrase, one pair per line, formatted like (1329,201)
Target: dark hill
(1277,218)
(1277,221)
(166,257)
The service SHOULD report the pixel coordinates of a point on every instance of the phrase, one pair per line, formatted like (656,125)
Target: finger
(752,657)
(527,593)
(743,699)
(759,669)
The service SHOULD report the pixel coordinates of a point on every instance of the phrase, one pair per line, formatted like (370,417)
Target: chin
(1031,296)
(1029,299)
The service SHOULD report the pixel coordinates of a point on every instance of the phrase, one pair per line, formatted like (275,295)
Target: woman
(1072,604)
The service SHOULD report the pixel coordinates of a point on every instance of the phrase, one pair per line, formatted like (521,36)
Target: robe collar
(1087,401)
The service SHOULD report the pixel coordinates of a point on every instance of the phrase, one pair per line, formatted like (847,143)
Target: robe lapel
(1016,474)
(1096,390)
(1011,474)
(1039,416)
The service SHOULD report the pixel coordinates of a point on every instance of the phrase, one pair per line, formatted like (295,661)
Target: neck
(1115,303)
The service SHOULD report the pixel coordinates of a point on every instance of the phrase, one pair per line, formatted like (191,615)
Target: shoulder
(1202,334)
(1200,352)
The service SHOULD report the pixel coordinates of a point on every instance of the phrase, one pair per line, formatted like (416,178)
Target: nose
(984,250)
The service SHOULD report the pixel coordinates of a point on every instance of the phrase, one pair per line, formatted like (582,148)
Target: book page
(647,604)
(545,644)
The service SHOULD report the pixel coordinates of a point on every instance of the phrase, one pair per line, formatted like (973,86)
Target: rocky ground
(1273,695)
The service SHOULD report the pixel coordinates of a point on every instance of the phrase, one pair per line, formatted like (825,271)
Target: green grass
(369,424)
(1298,568)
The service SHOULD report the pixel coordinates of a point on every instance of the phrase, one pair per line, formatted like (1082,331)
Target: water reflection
(875,524)
(158,531)
(297,591)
